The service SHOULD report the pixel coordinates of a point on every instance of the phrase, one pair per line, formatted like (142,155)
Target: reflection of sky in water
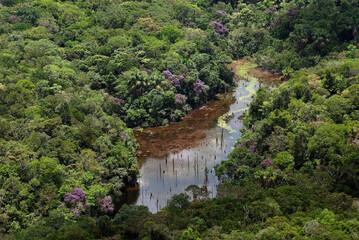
(162,177)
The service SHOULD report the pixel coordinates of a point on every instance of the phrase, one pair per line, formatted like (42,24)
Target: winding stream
(174,157)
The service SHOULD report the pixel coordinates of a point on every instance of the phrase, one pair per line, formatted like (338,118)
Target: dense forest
(76,77)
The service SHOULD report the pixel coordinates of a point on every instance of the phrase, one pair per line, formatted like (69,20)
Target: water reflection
(174,157)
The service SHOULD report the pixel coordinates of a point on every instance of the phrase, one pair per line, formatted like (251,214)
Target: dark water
(174,157)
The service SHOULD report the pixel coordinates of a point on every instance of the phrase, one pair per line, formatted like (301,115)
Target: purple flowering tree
(125,137)
(180,99)
(268,163)
(107,205)
(77,201)
(250,144)
(253,147)
(175,81)
(199,88)
(219,28)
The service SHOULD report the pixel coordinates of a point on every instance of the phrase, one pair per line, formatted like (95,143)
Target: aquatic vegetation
(242,72)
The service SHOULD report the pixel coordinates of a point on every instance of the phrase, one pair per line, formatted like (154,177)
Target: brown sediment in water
(160,141)
(264,75)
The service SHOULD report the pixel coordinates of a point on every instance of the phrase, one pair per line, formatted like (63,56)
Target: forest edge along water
(183,154)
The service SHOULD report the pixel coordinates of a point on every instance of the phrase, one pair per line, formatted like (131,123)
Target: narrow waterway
(173,157)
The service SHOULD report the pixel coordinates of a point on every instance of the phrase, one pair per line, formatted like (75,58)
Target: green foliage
(306,124)
(189,234)
(245,41)
(129,211)
(75,73)
(171,33)
(284,160)
(352,51)
(239,165)
(328,143)
(178,203)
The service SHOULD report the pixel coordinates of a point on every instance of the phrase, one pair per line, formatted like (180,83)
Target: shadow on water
(175,156)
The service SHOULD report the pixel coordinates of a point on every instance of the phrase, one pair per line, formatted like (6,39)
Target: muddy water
(176,156)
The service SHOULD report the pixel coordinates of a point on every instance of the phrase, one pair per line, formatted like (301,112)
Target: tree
(178,203)
(171,33)
(328,144)
(189,234)
(284,160)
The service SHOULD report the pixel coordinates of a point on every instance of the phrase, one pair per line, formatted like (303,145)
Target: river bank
(177,155)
